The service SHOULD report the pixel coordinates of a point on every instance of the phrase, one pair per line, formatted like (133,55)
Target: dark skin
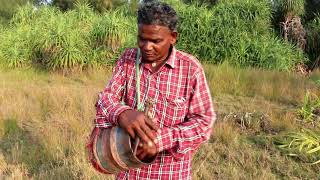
(154,42)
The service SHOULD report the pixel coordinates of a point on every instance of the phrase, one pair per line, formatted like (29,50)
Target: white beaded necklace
(153,64)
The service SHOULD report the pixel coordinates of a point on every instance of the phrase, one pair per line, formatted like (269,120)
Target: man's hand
(137,124)
(146,151)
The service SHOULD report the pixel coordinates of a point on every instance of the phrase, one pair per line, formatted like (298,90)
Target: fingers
(139,151)
(148,132)
(143,135)
(131,132)
(142,155)
(151,124)
(146,151)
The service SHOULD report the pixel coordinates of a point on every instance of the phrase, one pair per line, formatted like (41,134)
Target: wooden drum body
(113,150)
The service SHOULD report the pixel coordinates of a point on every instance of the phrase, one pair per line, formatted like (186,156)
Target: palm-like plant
(310,110)
(304,145)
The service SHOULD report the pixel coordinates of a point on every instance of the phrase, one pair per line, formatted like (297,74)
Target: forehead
(153,30)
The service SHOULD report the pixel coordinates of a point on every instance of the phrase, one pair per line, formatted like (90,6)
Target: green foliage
(304,145)
(104,5)
(110,34)
(64,4)
(75,39)
(237,31)
(208,3)
(8,8)
(310,110)
(290,7)
(14,52)
(313,38)
(312,8)
(98,5)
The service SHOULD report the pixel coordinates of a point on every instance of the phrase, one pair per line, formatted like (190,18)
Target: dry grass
(45,119)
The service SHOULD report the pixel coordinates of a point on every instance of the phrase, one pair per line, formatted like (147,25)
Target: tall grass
(313,38)
(236,31)
(290,7)
(110,34)
(75,39)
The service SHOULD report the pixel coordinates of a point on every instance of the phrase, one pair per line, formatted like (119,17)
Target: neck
(159,62)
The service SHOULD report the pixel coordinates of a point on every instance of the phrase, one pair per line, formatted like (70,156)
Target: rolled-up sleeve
(109,105)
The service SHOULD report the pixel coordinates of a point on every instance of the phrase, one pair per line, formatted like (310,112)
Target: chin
(149,59)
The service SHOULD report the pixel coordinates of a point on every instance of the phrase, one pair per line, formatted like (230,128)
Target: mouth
(148,55)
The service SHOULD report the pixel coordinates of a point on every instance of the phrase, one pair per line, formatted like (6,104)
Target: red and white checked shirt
(183,107)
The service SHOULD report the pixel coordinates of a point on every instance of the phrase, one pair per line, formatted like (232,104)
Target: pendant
(153,64)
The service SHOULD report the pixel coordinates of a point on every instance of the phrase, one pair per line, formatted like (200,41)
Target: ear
(174,36)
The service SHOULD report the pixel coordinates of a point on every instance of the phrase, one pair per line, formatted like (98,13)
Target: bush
(75,39)
(290,7)
(110,34)
(313,40)
(304,145)
(237,31)
(310,110)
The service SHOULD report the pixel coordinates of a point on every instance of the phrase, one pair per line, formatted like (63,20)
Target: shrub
(313,35)
(310,110)
(237,31)
(290,7)
(110,34)
(75,39)
(304,145)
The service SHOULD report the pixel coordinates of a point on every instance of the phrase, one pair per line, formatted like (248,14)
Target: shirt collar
(172,57)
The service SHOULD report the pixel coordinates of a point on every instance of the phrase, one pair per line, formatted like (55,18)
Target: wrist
(123,116)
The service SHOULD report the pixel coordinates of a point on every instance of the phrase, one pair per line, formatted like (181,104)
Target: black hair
(157,13)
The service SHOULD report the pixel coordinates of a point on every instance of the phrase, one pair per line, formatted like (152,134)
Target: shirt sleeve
(189,135)
(109,105)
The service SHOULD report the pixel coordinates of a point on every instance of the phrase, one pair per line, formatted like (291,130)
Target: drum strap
(139,105)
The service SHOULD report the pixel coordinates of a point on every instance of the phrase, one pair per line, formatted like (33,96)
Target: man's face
(154,42)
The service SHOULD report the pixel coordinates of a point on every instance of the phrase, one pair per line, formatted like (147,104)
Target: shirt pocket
(174,111)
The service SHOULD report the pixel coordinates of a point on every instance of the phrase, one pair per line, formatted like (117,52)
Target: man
(183,110)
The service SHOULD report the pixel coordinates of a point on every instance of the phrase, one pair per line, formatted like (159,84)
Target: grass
(236,31)
(46,117)
(239,32)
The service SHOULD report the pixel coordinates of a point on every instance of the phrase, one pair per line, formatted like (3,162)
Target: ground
(45,119)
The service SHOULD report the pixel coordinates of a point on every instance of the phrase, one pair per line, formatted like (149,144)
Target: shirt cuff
(119,109)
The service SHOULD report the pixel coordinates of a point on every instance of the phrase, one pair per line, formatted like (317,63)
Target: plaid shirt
(183,107)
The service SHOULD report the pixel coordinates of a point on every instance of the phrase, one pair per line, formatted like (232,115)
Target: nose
(147,46)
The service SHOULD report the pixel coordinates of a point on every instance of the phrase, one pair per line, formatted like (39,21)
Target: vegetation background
(261,59)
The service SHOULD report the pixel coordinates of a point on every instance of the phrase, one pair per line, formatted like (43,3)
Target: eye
(157,41)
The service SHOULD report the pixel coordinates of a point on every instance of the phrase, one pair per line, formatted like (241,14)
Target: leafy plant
(290,7)
(74,39)
(304,145)
(235,31)
(310,110)
(313,48)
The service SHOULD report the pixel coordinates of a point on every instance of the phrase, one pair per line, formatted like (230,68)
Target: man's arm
(188,136)
(111,112)
(109,106)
